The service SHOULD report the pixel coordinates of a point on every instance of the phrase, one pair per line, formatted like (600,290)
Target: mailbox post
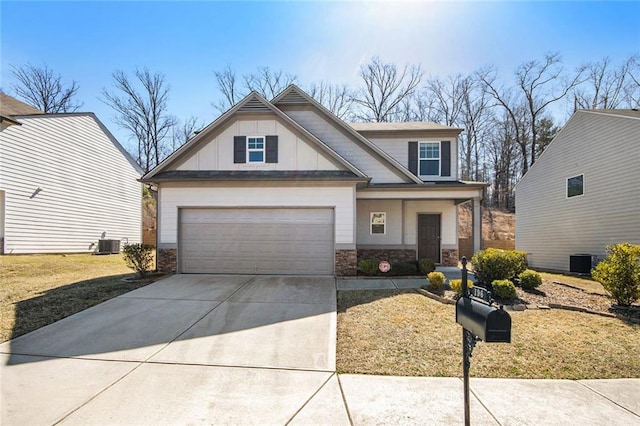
(480,321)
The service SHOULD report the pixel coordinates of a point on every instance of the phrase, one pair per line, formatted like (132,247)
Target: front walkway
(394,283)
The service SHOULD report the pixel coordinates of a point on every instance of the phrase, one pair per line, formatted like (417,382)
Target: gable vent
(254,105)
(292,97)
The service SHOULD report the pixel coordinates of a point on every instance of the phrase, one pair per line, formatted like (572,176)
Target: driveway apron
(190,349)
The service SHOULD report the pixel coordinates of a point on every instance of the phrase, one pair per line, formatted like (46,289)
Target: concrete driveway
(187,349)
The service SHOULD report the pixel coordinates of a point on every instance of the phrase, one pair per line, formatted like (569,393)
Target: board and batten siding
(398,148)
(294,153)
(549,226)
(174,196)
(346,146)
(66,185)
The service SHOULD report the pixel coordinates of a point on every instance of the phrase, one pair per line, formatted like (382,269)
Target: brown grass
(36,290)
(404,333)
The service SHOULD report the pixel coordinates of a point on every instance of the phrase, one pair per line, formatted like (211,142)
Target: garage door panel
(257,241)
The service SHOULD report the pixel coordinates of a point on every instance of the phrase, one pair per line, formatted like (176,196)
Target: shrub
(368,266)
(495,264)
(138,257)
(456,285)
(436,279)
(504,289)
(530,279)
(426,266)
(402,269)
(619,273)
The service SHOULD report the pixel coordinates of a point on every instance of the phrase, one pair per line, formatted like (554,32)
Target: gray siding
(398,148)
(550,226)
(87,186)
(348,148)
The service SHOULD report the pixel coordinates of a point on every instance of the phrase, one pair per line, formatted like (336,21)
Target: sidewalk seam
(607,398)
(344,400)
(482,403)
(310,398)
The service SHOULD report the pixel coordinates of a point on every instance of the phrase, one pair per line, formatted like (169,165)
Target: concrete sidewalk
(254,350)
(395,283)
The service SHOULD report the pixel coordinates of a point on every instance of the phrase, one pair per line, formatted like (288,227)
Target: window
(429,158)
(378,223)
(575,186)
(255,149)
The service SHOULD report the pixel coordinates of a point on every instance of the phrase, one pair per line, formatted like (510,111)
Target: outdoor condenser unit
(108,246)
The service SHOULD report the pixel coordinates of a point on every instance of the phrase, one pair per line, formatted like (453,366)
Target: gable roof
(401,126)
(294,95)
(252,103)
(10,106)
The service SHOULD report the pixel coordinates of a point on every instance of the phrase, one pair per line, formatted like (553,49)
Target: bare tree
(539,84)
(385,88)
(632,89)
(43,89)
(267,82)
(476,118)
(141,108)
(227,85)
(447,95)
(183,131)
(604,86)
(336,98)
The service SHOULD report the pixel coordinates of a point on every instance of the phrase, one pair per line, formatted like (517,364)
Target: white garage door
(256,241)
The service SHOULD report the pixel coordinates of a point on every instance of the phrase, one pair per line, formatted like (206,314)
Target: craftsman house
(286,187)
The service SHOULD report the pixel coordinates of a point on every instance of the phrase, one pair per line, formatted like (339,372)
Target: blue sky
(187,41)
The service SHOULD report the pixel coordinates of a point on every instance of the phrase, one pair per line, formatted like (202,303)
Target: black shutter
(239,149)
(271,151)
(445,157)
(413,157)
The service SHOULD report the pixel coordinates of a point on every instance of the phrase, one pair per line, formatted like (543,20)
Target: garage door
(256,241)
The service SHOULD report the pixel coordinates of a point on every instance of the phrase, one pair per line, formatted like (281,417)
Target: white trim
(384,223)
(430,159)
(263,150)
(567,186)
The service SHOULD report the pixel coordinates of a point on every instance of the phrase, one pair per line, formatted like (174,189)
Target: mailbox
(487,322)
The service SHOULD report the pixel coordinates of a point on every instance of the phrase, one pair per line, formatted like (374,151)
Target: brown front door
(429,237)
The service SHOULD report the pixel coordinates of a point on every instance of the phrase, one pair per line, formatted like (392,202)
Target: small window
(378,223)
(575,186)
(255,149)
(429,158)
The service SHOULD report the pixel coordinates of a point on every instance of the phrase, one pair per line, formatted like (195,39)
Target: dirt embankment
(496,224)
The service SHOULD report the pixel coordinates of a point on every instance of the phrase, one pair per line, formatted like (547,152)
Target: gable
(293,150)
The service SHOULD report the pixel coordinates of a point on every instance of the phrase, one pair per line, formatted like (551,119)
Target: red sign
(384,266)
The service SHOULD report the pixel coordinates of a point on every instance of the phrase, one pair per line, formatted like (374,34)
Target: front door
(429,237)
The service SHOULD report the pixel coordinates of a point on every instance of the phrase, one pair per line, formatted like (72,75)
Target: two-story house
(286,187)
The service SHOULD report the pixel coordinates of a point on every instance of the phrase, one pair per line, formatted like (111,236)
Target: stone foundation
(449,257)
(167,260)
(390,255)
(346,262)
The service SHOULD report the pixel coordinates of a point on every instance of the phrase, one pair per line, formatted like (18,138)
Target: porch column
(476,228)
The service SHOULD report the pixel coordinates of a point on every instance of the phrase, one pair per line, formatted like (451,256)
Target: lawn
(36,290)
(401,332)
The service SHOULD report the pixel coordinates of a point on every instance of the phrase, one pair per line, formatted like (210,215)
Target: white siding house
(582,194)
(65,183)
(286,187)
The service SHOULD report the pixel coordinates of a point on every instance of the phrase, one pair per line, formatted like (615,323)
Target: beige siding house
(582,193)
(65,183)
(285,187)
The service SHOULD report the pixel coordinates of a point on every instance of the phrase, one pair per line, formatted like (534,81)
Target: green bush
(426,266)
(456,285)
(495,264)
(368,266)
(619,273)
(530,279)
(138,257)
(436,279)
(402,269)
(504,289)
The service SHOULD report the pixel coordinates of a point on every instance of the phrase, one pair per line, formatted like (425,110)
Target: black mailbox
(487,322)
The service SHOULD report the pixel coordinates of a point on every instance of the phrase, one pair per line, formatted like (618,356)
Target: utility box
(580,263)
(108,246)
(485,321)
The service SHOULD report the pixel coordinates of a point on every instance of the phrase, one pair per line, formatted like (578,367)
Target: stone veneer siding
(449,257)
(390,255)
(167,260)
(346,262)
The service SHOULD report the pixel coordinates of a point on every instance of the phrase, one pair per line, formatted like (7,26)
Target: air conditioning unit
(108,246)
(580,263)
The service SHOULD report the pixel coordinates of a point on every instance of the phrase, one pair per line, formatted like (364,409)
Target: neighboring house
(285,187)
(65,182)
(582,193)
